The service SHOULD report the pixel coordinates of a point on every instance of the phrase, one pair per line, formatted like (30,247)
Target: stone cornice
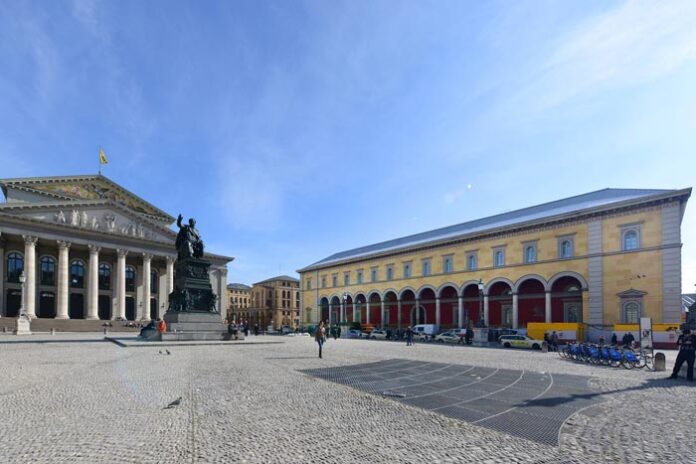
(550,223)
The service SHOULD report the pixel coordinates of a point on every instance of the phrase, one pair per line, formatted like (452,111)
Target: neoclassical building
(239,296)
(89,249)
(276,302)
(601,258)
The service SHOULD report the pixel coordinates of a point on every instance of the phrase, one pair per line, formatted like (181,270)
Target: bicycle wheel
(649,362)
(629,364)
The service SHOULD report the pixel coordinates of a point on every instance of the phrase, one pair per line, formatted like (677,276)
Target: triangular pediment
(98,216)
(632,293)
(83,188)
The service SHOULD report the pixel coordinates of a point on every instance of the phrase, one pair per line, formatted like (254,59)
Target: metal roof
(564,207)
(236,286)
(280,277)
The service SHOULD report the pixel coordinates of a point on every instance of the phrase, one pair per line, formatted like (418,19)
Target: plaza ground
(78,398)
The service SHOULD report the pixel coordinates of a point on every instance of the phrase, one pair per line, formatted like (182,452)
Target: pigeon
(160,351)
(168,352)
(174,403)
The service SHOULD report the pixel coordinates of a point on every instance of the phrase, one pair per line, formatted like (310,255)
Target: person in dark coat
(320,336)
(409,336)
(687,352)
(613,339)
(469,335)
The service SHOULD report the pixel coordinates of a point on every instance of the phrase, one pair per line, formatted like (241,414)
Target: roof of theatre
(599,200)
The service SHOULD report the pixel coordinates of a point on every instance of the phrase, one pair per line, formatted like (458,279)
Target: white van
(426,329)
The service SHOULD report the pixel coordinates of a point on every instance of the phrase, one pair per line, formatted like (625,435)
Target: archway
(426,299)
(408,301)
(449,307)
(360,308)
(500,304)
(418,315)
(391,307)
(531,302)
(473,313)
(335,310)
(566,300)
(375,310)
(349,309)
(324,310)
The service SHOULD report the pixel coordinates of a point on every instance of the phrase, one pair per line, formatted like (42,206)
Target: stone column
(417,313)
(547,312)
(121,282)
(147,260)
(367,312)
(330,312)
(460,311)
(384,312)
(355,312)
(343,311)
(515,310)
(437,311)
(30,274)
(63,280)
(93,282)
(398,314)
(170,274)
(485,311)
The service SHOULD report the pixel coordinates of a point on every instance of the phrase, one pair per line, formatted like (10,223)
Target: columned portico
(147,260)
(93,283)
(30,273)
(63,279)
(121,283)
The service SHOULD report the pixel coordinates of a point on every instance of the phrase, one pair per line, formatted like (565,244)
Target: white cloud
(637,42)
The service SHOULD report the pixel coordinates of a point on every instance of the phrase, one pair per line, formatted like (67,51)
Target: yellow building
(605,257)
(276,302)
(239,297)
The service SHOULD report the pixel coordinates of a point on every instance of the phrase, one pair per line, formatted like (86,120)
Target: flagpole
(99,161)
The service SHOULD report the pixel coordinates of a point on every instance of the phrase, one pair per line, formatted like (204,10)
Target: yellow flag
(102,157)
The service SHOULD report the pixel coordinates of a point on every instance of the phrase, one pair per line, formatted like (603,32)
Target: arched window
(566,249)
(630,240)
(631,312)
(499,258)
(15,266)
(77,274)
(130,279)
(530,254)
(154,282)
(104,277)
(48,270)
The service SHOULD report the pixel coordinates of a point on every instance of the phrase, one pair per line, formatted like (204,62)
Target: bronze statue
(188,240)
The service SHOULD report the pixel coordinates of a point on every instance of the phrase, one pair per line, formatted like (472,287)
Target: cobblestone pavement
(75,398)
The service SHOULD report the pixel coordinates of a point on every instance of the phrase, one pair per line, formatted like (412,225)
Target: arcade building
(601,258)
(87,248)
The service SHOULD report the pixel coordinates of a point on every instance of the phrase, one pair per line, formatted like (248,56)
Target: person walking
(554,340)
(409,336)
(687,352)
(320,336)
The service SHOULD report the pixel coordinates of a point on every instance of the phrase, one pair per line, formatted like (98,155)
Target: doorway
(104,307)
(130,308)
(47,305)
(153,309)
(77,306)
(13,303)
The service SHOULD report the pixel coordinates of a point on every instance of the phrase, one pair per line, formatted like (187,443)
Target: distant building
(239,302)
(88,249)
(601,258)
(276,302)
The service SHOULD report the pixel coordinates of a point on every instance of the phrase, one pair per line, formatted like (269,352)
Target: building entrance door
(77,306)
(47,305)
(104,307)
(130,308)
(13,303)
(153,309)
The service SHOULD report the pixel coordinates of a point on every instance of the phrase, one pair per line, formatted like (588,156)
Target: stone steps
(66,325)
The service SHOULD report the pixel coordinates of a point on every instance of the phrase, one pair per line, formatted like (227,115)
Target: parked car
(378,334)
(421,337)
(352,333)
(426,329)
(448,337)
(520,341)
(286,329)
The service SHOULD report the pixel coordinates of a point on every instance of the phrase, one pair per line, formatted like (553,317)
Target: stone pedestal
(193,326)
(22,325)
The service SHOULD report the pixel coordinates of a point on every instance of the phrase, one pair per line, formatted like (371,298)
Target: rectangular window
(360,277)
(309,284)
(425,265)
(334,280)
(407,270)
(323,281)
(390,272)
(529,250)
(447,264)
(346,279)
(471,261)
(373,274)
(566,246)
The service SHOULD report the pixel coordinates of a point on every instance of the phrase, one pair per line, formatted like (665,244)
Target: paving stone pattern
(522,403)
(76,399)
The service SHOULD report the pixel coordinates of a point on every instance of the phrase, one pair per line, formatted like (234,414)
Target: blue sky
(295,129)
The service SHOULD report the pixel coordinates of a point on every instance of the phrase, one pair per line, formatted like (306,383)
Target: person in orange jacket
(161,326)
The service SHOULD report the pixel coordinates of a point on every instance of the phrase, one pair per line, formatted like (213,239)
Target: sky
(292,129)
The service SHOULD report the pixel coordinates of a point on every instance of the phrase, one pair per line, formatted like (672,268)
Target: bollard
(106,331)
(544,347)
(4,330)
(660,362)
(53,331)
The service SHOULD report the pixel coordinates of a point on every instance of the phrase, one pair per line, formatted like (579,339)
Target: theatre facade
(88,249)
(602,258)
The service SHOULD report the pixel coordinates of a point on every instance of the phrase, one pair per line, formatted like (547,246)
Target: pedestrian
(320,336)
(256,329)
(334,331)
(469,335)
(601,340)
(409,336)
(613,339)
(162,326)
(554,340)
(628,339)
(246,328)
(687,352)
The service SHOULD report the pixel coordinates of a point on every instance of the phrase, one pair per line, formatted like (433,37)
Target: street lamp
(480,288)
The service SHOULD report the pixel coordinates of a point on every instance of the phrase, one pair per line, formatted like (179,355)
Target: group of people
(154,326)
(233,328)
(551,340)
